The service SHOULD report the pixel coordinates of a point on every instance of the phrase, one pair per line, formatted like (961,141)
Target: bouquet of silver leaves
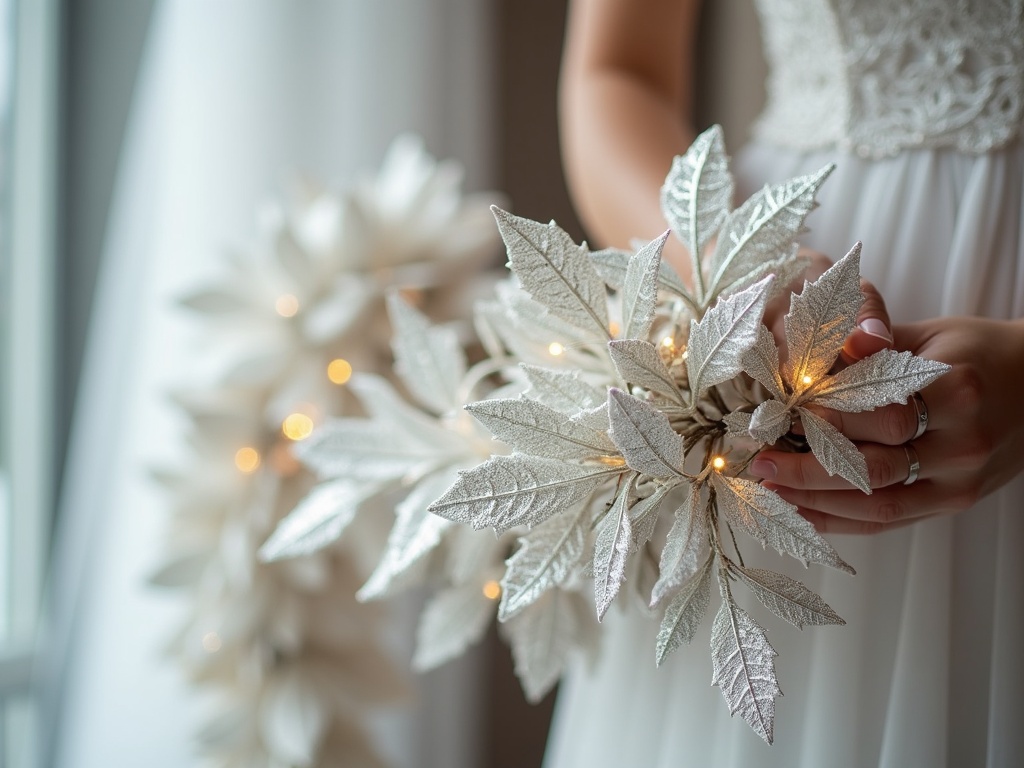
(627,406)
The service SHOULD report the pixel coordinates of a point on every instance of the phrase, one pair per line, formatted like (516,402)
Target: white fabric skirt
(929,669)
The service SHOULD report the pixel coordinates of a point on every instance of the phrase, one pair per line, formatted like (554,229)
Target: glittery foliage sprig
(624,402)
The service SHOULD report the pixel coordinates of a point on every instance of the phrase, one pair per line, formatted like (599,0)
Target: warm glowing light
(685,354)
(492,590)
(668,342)
(282,460)
(287,305)
(247,459)
(807,379)
(555,349)
(339,371)
(613,328)
(718,463)
(297,426)
(211,642)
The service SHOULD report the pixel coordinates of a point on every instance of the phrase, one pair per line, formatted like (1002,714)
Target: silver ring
(913,464)
(922,414)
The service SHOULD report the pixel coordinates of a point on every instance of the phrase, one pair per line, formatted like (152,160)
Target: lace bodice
(878,76)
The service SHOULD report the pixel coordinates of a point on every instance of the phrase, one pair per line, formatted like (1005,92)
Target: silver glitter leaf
(415,534)
(611,265)
(644,436)
(612,550)
(555,271)
(639,294)
(772,520)
(639,363)
(886,377)
(530,427)
(359,449)
(546,557)
(787,270)
(565,391)
(506,491)
(542,638)
(685,612)
(697,195)
(762,362)
(644,514)
(834,451)
(743,666)
(787,598)
(769,422)
(765,224)
(718,342)
(453,620)
(737,422)
(819,320)
(428,359)
(317,521)
(685,547)
(528,330)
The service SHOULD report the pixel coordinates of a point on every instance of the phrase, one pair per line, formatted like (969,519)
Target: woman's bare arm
(626,109)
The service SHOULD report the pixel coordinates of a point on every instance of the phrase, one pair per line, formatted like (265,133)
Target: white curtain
(232,96)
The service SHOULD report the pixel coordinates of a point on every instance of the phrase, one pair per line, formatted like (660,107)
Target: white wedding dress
(921,106)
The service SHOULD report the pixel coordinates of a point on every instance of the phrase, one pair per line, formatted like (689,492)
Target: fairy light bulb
(247,459)
(287,305)
(492,590)
(339,371)
(668,342)
(807,379)
(555,349)
(211,642)
(613,328)
(718,463)
(297,426)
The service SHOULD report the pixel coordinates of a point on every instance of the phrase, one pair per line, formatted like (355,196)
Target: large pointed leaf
(886,377)
(640,291)
(452,621)
(685,613)
(719,341)
(765,224)
(611,265)
(743,666)
(787,598)
(639,363)
(555,271)
(773,521)
(697,195)
(359,449)
(565,391)
(644,514)
(429,360)
(530,427)
(819,320)
(684,549)
(542,638)
(834,451)
(519,490)
(612,549)
(414,535)
(546,556)
(318,520)
(769,422)
(762,362)
(644,436)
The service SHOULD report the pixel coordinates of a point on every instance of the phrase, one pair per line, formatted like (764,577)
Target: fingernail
(764,469)
(875,327)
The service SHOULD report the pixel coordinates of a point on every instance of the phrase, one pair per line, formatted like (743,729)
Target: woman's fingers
(874,329)
(884,508)
(887,465)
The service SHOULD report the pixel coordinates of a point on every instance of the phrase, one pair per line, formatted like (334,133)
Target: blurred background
(138,139)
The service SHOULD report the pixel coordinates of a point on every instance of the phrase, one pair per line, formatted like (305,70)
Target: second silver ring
(913,464)
(922,414)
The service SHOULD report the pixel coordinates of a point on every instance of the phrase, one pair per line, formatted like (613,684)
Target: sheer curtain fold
(231,97)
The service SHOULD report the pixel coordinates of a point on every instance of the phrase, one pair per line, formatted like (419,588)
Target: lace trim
(876,77)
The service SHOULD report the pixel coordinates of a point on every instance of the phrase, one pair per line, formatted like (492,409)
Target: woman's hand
(974,442)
